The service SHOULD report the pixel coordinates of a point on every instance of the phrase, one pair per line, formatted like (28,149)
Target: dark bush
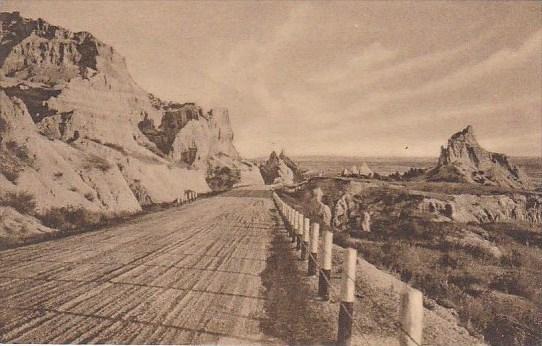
(222,178)
(20,151)
(10,171)
(89,196)
(116,147)
(23,202)
(97,162)
(70,218)
(3,126)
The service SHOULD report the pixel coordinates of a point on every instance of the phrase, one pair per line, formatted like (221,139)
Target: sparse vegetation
(71,218)
(3,126)
(20,151)
(96,162)
(13,158)
(9,169)
(116,147)
(222,178)
(23,202)
(89,196)
(456,264)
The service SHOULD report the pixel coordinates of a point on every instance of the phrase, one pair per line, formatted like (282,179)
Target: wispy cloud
(359,78)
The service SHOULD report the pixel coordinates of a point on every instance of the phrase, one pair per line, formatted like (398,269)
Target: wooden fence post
(299,230)
(294,224)
(306,238)
(348,287)
(289,221)
(325,272)
(313,257)
(411,314)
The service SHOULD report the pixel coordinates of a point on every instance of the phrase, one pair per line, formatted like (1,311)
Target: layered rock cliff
(464,160)
(76,129)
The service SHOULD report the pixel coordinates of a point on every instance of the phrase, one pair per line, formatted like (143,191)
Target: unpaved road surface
(192,274)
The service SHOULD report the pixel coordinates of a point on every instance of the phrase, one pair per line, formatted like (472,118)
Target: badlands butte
(78,133)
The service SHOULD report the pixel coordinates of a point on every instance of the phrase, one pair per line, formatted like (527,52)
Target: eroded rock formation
(464,160)
(486,208)
(280,169)
(76,129)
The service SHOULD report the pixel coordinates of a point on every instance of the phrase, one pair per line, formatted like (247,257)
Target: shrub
(97,162)
(3,125)
(10,171)
(20,151)
(70,218)
(116,147)
(23,202)
(89,196)
(222,178)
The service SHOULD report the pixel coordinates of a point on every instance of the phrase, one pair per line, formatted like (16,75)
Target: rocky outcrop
(363,171)
(486,209)
(464,160)
(350,214)
(76,129)
(317,209)
(280,169)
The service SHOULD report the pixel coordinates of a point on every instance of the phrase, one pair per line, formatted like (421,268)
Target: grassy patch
(497,297)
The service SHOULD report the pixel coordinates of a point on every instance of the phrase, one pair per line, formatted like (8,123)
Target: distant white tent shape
(355,170)
(365,170)
(345,173)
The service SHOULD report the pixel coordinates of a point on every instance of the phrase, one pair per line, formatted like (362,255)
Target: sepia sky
(346,78)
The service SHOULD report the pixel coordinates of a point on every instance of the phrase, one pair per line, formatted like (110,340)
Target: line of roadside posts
(306,236)
(187,197)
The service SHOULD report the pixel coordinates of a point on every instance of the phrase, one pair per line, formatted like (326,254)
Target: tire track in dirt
(185,275)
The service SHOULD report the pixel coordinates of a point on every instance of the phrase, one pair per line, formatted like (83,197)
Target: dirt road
(186,275)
